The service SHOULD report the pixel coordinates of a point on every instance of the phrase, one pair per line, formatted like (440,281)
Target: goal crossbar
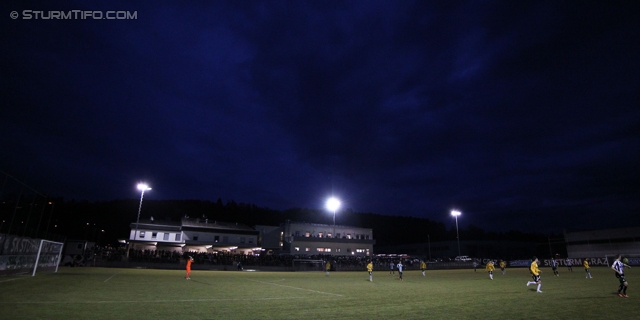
(50,248)
(308,265)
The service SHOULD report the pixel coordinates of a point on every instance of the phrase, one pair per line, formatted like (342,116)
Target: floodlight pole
(333,204)
(429,243)
(142,187)
(46,231)
(456,213)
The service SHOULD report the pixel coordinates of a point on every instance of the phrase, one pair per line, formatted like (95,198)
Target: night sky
(520,114)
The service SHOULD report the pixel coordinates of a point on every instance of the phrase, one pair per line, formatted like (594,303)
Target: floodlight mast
(142,187)
(333,204)
(456,213)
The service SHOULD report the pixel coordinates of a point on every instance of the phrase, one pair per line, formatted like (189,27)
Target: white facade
(199,235)
(313,239)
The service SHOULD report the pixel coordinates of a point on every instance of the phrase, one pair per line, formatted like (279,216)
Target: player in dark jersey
(554,267)
(618,267)
(569,264)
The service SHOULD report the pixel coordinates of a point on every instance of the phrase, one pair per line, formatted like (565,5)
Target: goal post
(308,265)
(49,255)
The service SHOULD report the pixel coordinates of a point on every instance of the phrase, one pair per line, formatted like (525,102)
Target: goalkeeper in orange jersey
(535,274)
(189,261)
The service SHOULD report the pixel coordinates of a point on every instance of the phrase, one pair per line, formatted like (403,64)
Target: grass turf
(104,293)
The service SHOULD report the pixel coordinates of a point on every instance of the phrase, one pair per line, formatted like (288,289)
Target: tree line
(107,221)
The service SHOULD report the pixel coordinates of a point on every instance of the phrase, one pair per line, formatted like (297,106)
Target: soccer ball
(625,260)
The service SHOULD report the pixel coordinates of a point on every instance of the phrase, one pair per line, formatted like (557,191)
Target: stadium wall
(600,243)
(18,254)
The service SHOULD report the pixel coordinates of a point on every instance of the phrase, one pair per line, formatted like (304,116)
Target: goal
(308,265)
(48,258)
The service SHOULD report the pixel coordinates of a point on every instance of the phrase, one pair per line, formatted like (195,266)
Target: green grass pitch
(105,293)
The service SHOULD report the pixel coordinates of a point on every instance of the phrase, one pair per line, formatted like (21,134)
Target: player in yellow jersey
(370,269)
(502,266)
(328,267)
(490,267)
(535,274)
(423,267)
(587,269)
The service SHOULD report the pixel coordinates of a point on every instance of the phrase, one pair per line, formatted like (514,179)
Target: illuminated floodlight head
(455,213)
(143,187)
(333,204)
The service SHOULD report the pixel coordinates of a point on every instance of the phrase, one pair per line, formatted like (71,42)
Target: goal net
(308,265)
(48,257)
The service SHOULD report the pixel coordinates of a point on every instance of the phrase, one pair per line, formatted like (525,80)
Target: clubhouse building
(199,235)
(294,238)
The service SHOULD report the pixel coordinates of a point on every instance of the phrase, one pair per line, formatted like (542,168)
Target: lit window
(327,250)
(307,234)
(337,249)
(329,235)
(320,249)
(307,249)
(348,235)
(296,248)
(320,234)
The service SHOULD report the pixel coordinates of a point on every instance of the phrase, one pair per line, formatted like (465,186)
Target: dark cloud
(521,115)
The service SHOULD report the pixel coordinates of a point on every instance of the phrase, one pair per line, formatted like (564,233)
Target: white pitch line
(11,279)
(282,285)
(110,277)
(142,301)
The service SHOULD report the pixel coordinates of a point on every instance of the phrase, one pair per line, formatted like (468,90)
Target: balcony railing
(332,240)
